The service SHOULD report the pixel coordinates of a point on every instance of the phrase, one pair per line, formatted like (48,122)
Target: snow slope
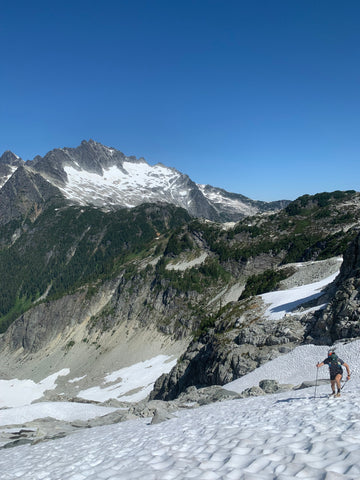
(285,301)
(16,393)
(127,186)
(130,384)
(286,436)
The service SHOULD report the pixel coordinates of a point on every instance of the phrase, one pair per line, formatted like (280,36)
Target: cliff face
(51,322)
(94,333)
(341,318)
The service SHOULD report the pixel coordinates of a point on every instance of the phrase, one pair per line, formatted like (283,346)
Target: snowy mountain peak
(94,174)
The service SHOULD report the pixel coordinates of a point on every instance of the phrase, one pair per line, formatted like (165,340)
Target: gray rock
(225,354)
(17,443)
(205,395)
(341,318)
(272,386)
(160,416)
(269,386)
(311,383)
(253,392)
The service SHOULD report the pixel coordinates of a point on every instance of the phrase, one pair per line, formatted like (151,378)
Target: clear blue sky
(260,97)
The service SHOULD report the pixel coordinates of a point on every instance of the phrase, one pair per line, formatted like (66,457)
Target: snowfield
(297,434)
(138,379)
(282,436)
(284,301)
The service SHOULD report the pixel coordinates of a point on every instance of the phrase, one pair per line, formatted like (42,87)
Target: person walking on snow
(335,368)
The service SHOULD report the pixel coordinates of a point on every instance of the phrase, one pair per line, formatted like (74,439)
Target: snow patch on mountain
(223,199)
(285,369)
(129,186)
(97,175)
(285,301)
(16,393)
(5,178)
(130,384)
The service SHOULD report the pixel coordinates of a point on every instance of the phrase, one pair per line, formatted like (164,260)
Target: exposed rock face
(244,340)
(38,327)
(341,318)
(10,159)
(351,265)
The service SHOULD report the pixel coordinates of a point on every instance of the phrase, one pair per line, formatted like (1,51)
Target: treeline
(191,279)
(319,200)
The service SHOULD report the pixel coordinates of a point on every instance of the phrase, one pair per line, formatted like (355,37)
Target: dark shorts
(333,373)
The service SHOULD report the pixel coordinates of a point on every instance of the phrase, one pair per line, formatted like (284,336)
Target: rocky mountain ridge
(96,175)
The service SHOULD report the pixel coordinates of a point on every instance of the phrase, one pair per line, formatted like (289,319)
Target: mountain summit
(9,162)
(93,174)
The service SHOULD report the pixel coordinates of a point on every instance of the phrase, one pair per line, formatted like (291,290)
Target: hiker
(335,367)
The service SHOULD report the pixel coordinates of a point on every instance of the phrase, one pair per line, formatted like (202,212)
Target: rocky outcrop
(234,347)
(341,317)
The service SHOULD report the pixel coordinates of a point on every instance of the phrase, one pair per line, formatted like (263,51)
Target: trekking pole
(316,381)
(346,381)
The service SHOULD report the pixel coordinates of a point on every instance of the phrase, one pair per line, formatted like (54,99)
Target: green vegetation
(68,247)
(307,202)
(178,243)
(307,229)
(20,306)
(207,323)
(192,279)
(265,282)
(69,345)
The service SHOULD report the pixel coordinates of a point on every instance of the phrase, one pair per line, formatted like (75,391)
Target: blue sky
(260,97)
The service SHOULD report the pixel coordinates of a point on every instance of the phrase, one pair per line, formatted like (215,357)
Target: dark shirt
(334,364)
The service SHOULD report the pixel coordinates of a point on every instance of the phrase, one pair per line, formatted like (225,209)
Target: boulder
(161,415)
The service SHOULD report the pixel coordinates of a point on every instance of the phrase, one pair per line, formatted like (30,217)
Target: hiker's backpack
(334,360)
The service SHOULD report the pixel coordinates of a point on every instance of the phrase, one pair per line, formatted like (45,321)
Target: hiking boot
(338,395)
